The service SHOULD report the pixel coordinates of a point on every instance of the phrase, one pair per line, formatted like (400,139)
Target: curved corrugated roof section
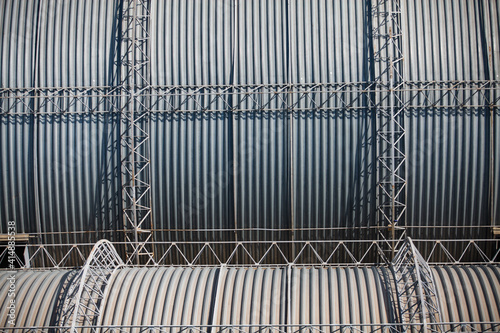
(38,297)
(342,296)
(256,296)
(160,296)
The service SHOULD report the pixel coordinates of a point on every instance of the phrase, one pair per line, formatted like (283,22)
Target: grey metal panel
(17,42)
(334,180)
(251,296)
(191,42)
(17,201)
(450,40)
(37,297)
(328,41)
(261,171)
(77,43)
(197,42)
(160,296)
(448,171)
(468,294)
(205,296)
(261,42)
(191,173)
(79,176)
(342,296)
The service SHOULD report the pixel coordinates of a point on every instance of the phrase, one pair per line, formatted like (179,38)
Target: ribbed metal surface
(451,40)
(205,296)
(37,297)
(338,295)
(468,294)
(282,169)
(163,296)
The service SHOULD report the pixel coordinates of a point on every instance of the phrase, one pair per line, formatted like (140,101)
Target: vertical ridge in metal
(391,158)
(416,291)
(86,293)
(136,174)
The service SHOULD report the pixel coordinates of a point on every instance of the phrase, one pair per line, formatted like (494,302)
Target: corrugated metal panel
(451,40)
(18,32)
(256,296)
(77,43)
(251,296)
(316,169)
(342,296)
(160,296)
(448,172)
(37,297)
(79,176)
(192,42)
(17,200)
(333,159)
(469,294)
(190,167)
(328,41)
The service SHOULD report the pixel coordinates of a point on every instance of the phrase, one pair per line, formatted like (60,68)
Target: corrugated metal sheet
(309,169)
(37,297)
(256,296)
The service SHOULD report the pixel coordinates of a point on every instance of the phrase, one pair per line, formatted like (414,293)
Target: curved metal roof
(257,296)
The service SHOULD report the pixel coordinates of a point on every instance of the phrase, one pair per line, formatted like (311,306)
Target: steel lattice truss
(136,175)
(82,306)
(416,291)
(390,108)
(445,96)
(268,253)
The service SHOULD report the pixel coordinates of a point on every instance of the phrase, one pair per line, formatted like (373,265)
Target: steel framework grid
(391,157)
(136,163)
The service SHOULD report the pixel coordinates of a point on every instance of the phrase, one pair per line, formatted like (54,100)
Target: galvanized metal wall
(256,296)
(222,171)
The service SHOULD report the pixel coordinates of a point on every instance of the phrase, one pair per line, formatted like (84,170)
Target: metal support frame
(442,96)
(136,164)
(267,253)
(82,306)
(390,107)
(416,291)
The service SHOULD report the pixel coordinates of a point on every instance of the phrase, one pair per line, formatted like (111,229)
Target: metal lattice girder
(82,306)
(416,291)
(136,163)
(267,253)
(445,96)
(390,108)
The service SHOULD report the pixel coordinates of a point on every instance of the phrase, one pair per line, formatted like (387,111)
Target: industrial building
(250,165)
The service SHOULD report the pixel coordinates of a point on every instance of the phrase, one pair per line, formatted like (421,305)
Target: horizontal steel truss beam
(82,305)
(259,253)
(464,327)
(447,96)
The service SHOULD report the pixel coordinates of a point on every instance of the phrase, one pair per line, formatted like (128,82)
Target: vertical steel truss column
(82,306)
(390,107)
(135,112)
(417,296)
